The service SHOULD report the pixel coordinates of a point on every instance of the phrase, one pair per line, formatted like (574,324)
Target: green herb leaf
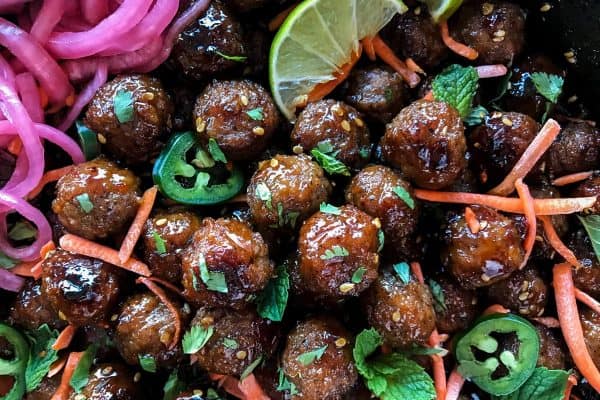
(159,242)
(456,86)
(389,95)
(147,363)
(326,147)
(405,196)
(88,140)
(329,163)
(211,394)
(196,338)
(476,116)
(256,114)
(41,355)
(230,343)
(214,281)
(438,296)
(548,85)
(250,368)
(284,384)
(82,371)
(232,58)
(329,209)
(335,251)
(123,106)
(591,223)
(263,192)
(215,151)
(365,152)
(85,203)
(289,218)
(173,387)
(403,271)
(22,231)
(424,351)
(381,240)
(6,262)
(503,87)
(543,384)
(358,274)
(310,356)
(272,301)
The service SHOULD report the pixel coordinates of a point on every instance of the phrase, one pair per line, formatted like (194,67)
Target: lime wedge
(441,10)
(317,39)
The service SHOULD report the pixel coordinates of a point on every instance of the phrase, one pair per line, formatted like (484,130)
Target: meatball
(209,45)
(239,115)
(82,290)
(401,312)
(239,338)
(96,199)
(589,187)
(337,125)
(377,92)
(495,28)
(576,149)
(486,256)
(133,139)
(338,253)
(376,190)
(31,310)
(45,390)
(145,328)
(426,141)
(499,142)
(524,292)
(286,190)
(328,377)
(173,229)
(590,322)
(225,264)
(110,382)
(456,308)
(586,278)
(552,349)
(248,5)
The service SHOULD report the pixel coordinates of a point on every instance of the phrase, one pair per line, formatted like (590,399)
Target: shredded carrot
(587,300)
(548,322)
(550,206)
(15,146)
(70,100)
(64,389)
(495,309)
(64,338)
(79,245)
(25,268)
(166,284)
(568,315)
(572,381)
(57,366)
(154,288)
(247,389)
(558,244)
(240,198)
(414,67)
(415,267)
(529,158)
(135,230)
(459,48)
(34,268)
(50,176)
(472,221)
(388,56)
(439,371)
(491,71)
(572,178)
(455,384)
(278,20)
(529,210)
(43,97)
(429,96)
(369,48)
(323,89)
(36,271)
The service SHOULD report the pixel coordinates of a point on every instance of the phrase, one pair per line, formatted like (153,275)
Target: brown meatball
(239,338)
(576,149)
(230,250)
(110,382)
(495,28)
(459,309)
(586,278)
(524,292)
(239,115)
(552,349)
(377,92)
(401,312)
(499,143)
(145,328)
(482,258)
(590,322)
(589,187)
(82,290)
(328,377)
(415,35)
(426,141)
(31,310)
(138,140)
(339,125)
(174,229)
(206,45)
(333,247)
(373,190)
(96,199)
(248,5)
(286,190)
(45,390)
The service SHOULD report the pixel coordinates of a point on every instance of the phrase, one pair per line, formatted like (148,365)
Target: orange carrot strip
(36,271)
(79,245)
(459,48)
(323,89)
(495,309)
(15,146)
(530,157)
(64,338)
(455,384)
(64,389)
(154,288)
(49,176)
(549,322)
(278,20)
(369,48)
(24,268)
(388,56)
(251,388)
(472,221)
(415,267)
(587,300)
(529,210)
(33,268)
(230,384)
(56,367)
(491,71)
(135,230)
(568,315)
(240,198)
(429,96)
(43,97)
(439,371)
(166,284)
(556,243)
(542,206)
(572,381)
(414,67)
(572,178)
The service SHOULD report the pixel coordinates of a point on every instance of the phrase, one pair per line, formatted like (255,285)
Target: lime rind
(441,10)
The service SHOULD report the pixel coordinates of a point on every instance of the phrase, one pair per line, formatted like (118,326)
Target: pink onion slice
(10,281)
(30,96)
(47,19)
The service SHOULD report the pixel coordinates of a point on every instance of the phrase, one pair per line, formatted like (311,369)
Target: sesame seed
(165,338)
(523,296)
(240,355)
(500,33)
(524,310)
(541,312)
(208,320)
(346,287)
(538,238)
(569,54)
(496,114)
(377,223)
(487,8)
(200,125)
(244,100)
(418,11)
(258,130)
(524,286)
(161,222)
(114,317)
(346,125)
(62,315)
(359,122)
(532,307)
(101,138)
(498,39)
(571,60)
(80,396)
(297,149)
(507,121)
(485,278)
(545,7)
(107,370)
(336,108)
(477,145)
(197,392)
(137,377)
(572,99)
(274,163)
(148,96)
(483,225)
(341,342)
(396,316)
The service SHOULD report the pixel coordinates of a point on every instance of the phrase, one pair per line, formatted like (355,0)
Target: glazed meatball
(239,338)
(205,47)
(377,92)
(45,390)
(495,28)
(286,190)
(552,349)
(336,124)
(110,382)
(401,312)
(374,191)
(224,264)
(82,290)
(589,187)
(499,143)
(96,199)
(239,115)
(586,278)
(333,247)
(524,292)
(459,309)
(173,229)
(31,310)
(486,256)
(426,141)
(248,5)
(145,328)
(590,322)
(135,139)
(576,149)
(328,377)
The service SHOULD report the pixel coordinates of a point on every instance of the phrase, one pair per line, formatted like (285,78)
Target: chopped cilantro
(548,85)
(232,58)
(173,387)
(215,151)
(214,281)
(256,114)
(591,223)
(230,344)
(272,301)
(310,356)
(251,368)
(263,193)
(405,196)
(123,106)
(335,251)
(329,209)
(284,384)
(147,363)
(85,203)
(159,242)
(438,296)
(403,271)
(196,338)
(358,274)
(381,240)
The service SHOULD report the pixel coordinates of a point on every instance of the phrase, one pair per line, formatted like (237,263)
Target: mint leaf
(232,58)
(256,114)
(215,151)
(123,106)
(214,281)
(173,387)
(403,271)
(250,368)
(329,163)
(335,251)
(147,363)
(85,203)
(22,231)
(365,344)
(196,338)
(230,343)
(543,384)
(476,116)
(358,274)
(82,370)
(405,196)
(273,299)
(159,242)
(548,85)
(310,356)
(6,262)
(41,355)
(591,223)
(438,296)
(284,384)
(329,209)
(456,86)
